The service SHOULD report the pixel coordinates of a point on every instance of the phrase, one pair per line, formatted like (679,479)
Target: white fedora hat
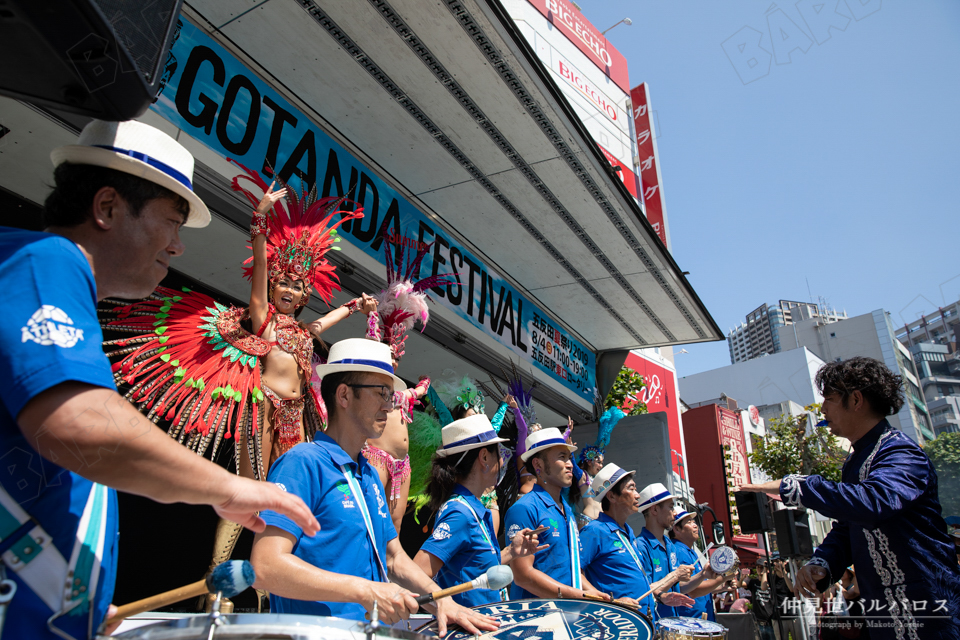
(653,494)
(140,150)
(544,439)
(467,433)
(360,354)
(681,516)
(608,478)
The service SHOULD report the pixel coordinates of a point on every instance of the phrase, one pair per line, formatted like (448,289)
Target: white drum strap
(64,588)
(365,511)
(574,546)
(484,532)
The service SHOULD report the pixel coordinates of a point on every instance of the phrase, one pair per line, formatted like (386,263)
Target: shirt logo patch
(49,325)
(380,503)
(344,488)
(442,532)
(673,559)
(513,530)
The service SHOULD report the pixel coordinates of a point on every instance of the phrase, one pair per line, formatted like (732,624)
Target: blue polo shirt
(460,543)
(49,335)
(534,510)
(608,563)
(659,559)
(703,604)
(312,471)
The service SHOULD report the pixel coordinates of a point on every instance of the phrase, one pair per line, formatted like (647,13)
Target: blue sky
(840,167)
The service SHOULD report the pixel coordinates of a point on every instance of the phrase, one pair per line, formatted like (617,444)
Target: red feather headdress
(299,236)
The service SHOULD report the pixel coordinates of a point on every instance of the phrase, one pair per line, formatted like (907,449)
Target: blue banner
(215,99)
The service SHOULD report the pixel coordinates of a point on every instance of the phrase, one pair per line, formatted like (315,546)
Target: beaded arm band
(258,226)
(354,305)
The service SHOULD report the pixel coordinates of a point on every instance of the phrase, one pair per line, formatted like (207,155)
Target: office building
(758,335)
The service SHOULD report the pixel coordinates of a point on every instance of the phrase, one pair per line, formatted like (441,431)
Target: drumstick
(497,577)
(228,578)
(622,603)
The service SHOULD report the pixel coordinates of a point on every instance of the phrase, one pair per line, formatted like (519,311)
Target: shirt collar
(645,533)
(546,498)
(467,495)
(613,526)
(872,436)
(338,455)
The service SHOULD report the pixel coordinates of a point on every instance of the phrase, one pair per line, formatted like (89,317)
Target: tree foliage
(944,453)
(790,447)
(626,392)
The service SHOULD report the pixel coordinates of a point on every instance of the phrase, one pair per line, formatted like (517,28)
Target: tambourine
(724,561)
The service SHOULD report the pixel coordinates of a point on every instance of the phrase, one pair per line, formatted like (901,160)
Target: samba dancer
(344,571)
(113,220)
(401,304)
(657,551)
(464,541)
(609,547)
(887,510)
(556,571)
(685,533)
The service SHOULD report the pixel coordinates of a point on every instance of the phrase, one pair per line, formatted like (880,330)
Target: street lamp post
(626,21)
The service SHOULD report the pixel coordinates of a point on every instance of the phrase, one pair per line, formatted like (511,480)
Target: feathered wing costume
(404,301)
(191,360)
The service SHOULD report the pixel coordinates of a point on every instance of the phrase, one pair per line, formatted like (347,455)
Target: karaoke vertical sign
(651,184)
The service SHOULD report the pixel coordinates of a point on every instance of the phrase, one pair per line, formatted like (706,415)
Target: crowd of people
(331,443)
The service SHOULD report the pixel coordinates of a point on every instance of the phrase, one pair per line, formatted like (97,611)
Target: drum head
(560,620)
(684,627)
(724,559)
(244,626)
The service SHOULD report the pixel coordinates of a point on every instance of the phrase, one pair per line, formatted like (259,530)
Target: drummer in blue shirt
(356,562)
(609,554)
(553,572)
(464,541)
(657,551)
(684,534)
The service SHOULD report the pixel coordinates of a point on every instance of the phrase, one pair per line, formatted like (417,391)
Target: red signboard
(650,182)
(571,23)
(627,176)
(660,394)
(718,463)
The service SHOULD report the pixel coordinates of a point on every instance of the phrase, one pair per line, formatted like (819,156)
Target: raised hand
(270,198)
(368,304)
(527,542)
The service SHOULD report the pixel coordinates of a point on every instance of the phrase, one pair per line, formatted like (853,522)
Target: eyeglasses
(385,393)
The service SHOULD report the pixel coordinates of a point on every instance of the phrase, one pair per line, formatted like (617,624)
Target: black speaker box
(100,58)
(793,533)
(754,512)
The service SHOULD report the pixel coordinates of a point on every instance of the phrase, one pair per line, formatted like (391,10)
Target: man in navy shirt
(346,569)
(113,220)
(889,522)
(657,550)
(610,557)
(554,572)
(685,533)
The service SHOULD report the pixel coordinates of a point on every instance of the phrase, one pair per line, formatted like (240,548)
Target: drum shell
(244,626)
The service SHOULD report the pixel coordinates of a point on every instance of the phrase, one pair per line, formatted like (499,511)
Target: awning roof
(449,103)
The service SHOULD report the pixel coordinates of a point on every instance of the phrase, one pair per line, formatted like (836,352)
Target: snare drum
(725,561)
(247,626)
(689,629)
(560,620)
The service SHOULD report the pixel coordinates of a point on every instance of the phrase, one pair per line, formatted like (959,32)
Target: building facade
(772,379)
(939,373)
(759,334)
(870,335)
